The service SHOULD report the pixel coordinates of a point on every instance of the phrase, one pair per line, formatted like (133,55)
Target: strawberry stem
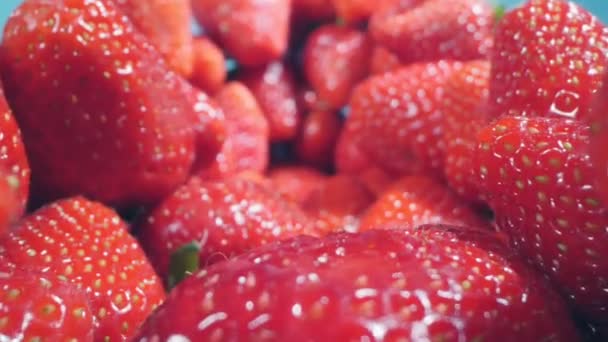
(499,13)
(183,263)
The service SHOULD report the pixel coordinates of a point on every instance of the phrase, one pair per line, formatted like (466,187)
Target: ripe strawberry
(168,25)
(14,167)
(89,245)
(465,104)
(312,9)
(548,61)
(209,73)
(435,29)
(537,176)
(274,88)
(318,138)
(35,307)
(100,112)
(383,60)
(398,119)
(335,59)
(417,200)
(599,153)
(246,146)
(435,284)
(308,100)
(224,218)
(252,31)
(375,180)
(349,155)
(337,203)
(296,183)
(354,11)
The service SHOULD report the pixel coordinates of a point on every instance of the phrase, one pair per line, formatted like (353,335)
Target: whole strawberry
(434,284)
(255,32)
(548,61)
(224,219)
(101,113)
(428,30)
(37,307)
(89,245)
(417,200)
(538,179)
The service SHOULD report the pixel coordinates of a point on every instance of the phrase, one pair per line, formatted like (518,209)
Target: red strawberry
(548,61)
(224,218)
(295,182)
(353,11)
(246,147)
(309,101)
(337,203)
(383,60)
(36,307)
(349,154)
(398,120)
(537,176)
(254,32)
(435,29)
(599,152)
(335,59)
(14,167)
(312,9)
(274,88)
(434,284)
(318,138)
(375,180)
(89,245)
(100,112)
(415,201)
(168,26)
(465,103)
(209,73)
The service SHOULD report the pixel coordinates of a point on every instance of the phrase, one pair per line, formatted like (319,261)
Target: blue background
(599,7)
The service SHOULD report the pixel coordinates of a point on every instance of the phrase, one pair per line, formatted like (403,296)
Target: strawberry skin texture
(226,218)
(398,119)
(434,29)
(36,307)
(89,245)
(317,141)
(417,200)
(435,284)
(312,9)
(465,104)
(599,126)
(100,112)
(383,60)
(354,11)
(335,59)
(275,89)
(237,26)
(168,25)
(209,70)
(349,156)
(538,178)
(14,166)
(10,208)
(548,61)
(296,183)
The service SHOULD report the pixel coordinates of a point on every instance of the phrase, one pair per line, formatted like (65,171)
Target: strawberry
(417,200)
(14,167)
(335,59)
(383,60)
(101,114)
(354,11)
(296,183)
(224,218)
(246,147)
(337,203)
(237,26)
(274,88)
(35,307)
(375,180)
(209,73)
(312,9)
(548,61)
(349,155)
(318,138)
(537,176)
(434,284)
(89,245)
(599,153)
(308,100)
(434,29)
(465,103)
(167,25)
(398,120)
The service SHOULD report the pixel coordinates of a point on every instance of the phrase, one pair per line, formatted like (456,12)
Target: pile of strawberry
(304,170)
